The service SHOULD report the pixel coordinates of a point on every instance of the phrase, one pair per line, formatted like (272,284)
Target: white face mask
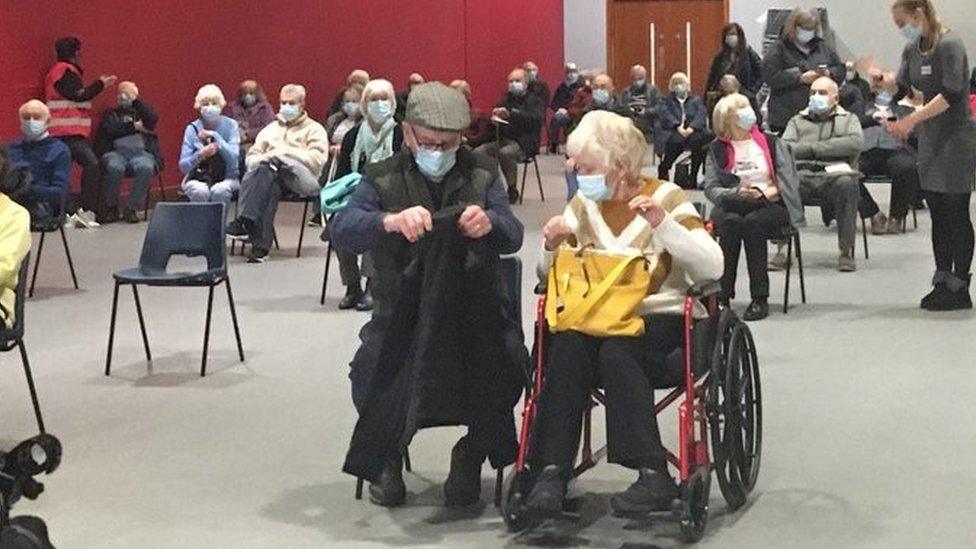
(732,41)
(804,36)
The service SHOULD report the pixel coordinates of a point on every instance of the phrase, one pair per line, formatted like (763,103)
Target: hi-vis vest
(67,117)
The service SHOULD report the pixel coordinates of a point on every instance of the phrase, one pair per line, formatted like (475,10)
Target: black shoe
(463,485)
(757,310)
(326,234)
(365,303)
(390,491)
(240,229)
(109,216)
(937,295)
(130,216)
(513,195)
(548,493)
(654,491)
(827,215)
(257,255)
(315,221)
(955,296)
(352,297)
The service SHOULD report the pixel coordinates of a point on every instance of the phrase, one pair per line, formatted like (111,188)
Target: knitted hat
(438,107)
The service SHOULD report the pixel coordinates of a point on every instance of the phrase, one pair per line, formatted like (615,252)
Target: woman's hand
(750,192)
(648,209)
(901,129)
(555,232)
(809,77)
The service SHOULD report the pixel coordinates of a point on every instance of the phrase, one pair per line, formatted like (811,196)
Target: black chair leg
(37,265)
(799,264)
(538,179)
(406,460)
(30,385)
(111,330)
(914,216)
(359,488)
(789,269)
(233,317)
(67,254)
(142,323)
(301,230)
(206,332)
(499,481)
(276,245)
(864,233)
(525,175)
(325,277)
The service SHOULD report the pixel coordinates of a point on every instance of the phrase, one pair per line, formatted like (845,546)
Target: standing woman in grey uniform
(935,63)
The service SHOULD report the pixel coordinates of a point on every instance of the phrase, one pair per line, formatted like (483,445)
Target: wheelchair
(719,408)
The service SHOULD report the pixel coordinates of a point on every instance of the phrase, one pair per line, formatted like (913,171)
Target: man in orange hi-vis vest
(70,103)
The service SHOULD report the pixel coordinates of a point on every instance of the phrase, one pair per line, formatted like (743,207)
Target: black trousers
(628,368)
(91,172)
(696,143)
(749,228)
(901,166)
(952,232)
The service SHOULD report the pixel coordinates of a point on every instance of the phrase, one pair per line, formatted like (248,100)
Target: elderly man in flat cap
(440,348)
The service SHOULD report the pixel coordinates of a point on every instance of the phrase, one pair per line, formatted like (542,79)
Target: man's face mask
(435,163)
(819,104)
(572,77)
(290,112)
(125,100)
(516,87)
(883,99)
(601,96)
(639,83)
(32,128)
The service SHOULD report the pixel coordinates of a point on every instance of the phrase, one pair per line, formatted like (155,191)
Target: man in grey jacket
(826,141)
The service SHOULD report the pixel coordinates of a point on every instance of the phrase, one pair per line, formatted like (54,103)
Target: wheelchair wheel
(724,428)
(514,513)
(742,384)
(694,505)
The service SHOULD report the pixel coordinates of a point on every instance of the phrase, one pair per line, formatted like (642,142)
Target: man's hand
(645,207)
(208,151)
(500,112)
(809,77)
(555,232)
(108,80)
(412,223)
(685,132)
(138,126)
(474,222)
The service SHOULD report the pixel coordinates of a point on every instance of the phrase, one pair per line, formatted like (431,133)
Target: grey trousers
(261,189)
(509,153)
(842,193)
(349,268)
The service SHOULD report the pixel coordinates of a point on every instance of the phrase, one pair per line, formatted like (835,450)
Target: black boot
(757,310)
(955,297)
(548,493)
(353,294)
(463,485)
(653,491)
(389,491)
(365,302)
(939,293)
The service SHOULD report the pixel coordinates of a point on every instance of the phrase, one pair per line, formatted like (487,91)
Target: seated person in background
(401,201)
(682,125)
(415,79)
(522,115)
(480,131)
(618,210)
(537,87)
(288,155)
(826,141)
(639,101)
(209,156)
(358,77)
(581,99)
(884,155)
(15,242)
(853,79)
(377,137)
(560,104)
(750,177)
(127,143)
(46,158)
(729,85)
(602,98)
(337,126)
(252,112)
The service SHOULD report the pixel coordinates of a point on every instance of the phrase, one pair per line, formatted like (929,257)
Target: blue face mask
(249,99)
(380,110)
(601,97)
(516,88)
(910,32)
(32,129)
(124,100)
(819,104)
(210,112)
(433,163)
(594,187)
(883,99)
(804,36)
(747,118)
(290,112)
(351,108)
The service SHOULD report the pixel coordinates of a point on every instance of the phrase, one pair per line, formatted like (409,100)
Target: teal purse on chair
(335,195)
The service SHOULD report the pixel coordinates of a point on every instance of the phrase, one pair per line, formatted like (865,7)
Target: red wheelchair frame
(726,397)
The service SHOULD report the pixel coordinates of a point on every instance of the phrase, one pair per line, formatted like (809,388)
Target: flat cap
(438,107)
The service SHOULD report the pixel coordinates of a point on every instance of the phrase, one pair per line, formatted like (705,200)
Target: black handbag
(209,170)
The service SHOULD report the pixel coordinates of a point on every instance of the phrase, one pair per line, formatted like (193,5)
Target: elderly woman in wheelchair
(618,262)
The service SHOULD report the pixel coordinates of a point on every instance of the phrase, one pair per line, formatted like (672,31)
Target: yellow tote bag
(596,293)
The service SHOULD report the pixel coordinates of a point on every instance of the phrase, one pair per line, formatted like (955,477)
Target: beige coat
(304,140)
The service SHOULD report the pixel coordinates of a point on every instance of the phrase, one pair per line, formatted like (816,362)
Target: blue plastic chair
(13,336)
(194,229)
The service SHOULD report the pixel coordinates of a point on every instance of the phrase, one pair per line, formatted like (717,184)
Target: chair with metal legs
(194,229)
(525,173)
(50,228)
(13,336)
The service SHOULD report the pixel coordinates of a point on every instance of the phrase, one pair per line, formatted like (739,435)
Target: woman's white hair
(612,138)
(727,113)
(376,86)
(207,92)
(678,78)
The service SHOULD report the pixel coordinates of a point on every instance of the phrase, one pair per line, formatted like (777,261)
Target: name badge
(926,70)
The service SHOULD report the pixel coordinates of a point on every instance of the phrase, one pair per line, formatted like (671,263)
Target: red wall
(171,47)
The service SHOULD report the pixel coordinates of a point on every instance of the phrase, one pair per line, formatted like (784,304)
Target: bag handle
(574,316)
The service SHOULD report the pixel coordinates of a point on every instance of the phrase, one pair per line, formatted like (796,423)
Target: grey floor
(869,422)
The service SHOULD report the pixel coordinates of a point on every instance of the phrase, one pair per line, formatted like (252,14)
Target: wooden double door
(666,36)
